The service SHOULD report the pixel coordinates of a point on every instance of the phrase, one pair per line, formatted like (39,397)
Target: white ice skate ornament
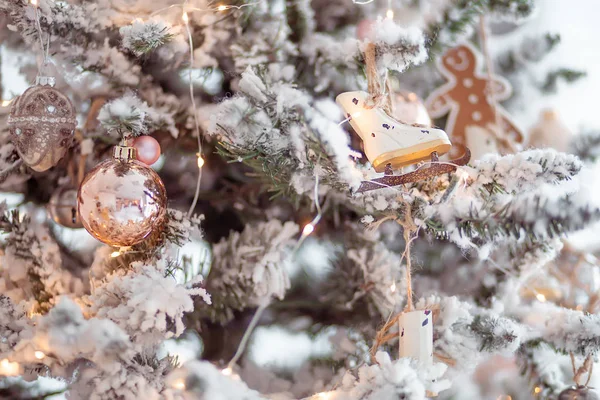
(387,141)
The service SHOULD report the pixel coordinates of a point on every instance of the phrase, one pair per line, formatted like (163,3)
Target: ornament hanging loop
(586,367)
(381,95)
(44,47)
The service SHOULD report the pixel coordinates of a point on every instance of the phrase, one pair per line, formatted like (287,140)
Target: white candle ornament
(416,335)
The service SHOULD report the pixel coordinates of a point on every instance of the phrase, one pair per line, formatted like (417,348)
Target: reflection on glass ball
(122,202)
(578,393)
(42,123)
(62,208)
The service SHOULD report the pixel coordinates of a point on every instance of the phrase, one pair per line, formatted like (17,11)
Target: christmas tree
(188,214)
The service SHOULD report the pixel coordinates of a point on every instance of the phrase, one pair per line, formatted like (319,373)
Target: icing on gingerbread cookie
(466,97)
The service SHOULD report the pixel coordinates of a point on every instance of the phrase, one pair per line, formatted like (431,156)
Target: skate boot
(388,141)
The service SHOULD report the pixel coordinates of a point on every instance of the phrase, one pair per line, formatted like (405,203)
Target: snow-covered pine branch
(514,196)
(465,333)
(364,273)
(129,114)
(143,37)
(390,380)
(586,146)
(249,268)
(455,20)
(278,130)
(572,331)
(145,302)
(32,264)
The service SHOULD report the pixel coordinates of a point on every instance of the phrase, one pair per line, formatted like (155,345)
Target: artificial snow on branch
(143,37)
(390,380)
(145,302)
(131,115)
(364,272)
(250,267)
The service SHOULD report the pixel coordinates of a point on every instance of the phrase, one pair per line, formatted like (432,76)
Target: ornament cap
(124,153)
(45,81)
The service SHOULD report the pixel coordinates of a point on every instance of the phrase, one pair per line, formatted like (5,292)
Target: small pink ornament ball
(364,29)
(148,149)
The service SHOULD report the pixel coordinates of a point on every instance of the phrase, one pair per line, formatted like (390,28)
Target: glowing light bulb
(185,17)
(389,14)
(227,371)
(537,390)
(6,103)
(308,229)
(115,254)
(39,354)
(179,384)
(8,368)
(221,8)
(541,297)
(200,161)
(34,2)
(393,287)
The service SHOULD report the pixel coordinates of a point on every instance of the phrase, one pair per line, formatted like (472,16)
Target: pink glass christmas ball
(364,29)
(148,149)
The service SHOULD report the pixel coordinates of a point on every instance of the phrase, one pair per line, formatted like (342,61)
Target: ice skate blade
(411,155)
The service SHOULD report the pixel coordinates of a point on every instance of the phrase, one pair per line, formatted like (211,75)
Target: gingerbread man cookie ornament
(475,119)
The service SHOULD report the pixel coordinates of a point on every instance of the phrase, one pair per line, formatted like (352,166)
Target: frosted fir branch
(512,197)
(301,15)
(531,50)
(457,20)
(390,380)
(464,332)
(143,37)
(66,336)
(278,130)
(107,62)
(14,325)
(142,377)
(124,115)
(568,75)
(364,273)
(532,218)
(145,303)
(540,364)
(76,23)
(265,41)
(249,267)
(524,171)
(131,115)
(397,47)
(160,247)
(203,380)
(31,266)
(495,333)
(572,331)
(586,146)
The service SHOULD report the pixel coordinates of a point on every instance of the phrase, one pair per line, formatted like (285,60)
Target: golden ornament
(42,123)
(62,208)
(122,201)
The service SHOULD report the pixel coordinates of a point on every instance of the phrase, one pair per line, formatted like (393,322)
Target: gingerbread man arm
(439,103)
(501,87)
